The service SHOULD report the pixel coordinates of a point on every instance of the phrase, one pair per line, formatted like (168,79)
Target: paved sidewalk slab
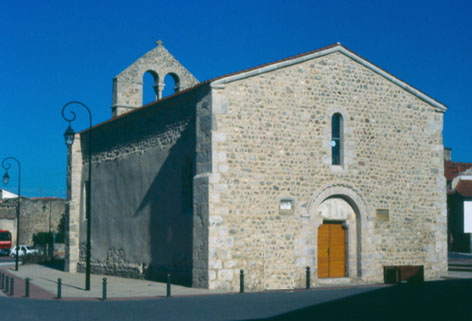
(73,285)
(43,285)
(35,292)
(453,275)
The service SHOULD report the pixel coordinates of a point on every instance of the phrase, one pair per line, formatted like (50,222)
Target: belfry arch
(150,85)
(175,78)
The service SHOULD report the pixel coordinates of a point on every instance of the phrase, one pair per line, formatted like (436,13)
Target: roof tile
(464,188)
(452,169)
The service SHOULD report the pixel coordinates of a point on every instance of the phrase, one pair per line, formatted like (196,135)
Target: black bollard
(168,285)
(241,281)
(307,277)
(7,281)
(59,290)
(12,287)
(104,296)
(2,280)
(27,287)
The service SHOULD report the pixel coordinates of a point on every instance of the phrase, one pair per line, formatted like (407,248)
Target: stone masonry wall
(36,215)
(271,141)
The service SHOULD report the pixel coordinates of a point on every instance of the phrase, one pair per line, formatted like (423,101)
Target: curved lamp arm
(6,166)
(72,118)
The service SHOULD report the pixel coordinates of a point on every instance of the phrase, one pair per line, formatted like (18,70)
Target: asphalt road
(440,300)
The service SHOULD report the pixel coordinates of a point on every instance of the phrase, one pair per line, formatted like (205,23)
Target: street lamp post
(69,138)
(6,178)
(48,252)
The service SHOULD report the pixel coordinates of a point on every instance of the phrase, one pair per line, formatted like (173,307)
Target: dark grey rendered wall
(143,166)
(458,240)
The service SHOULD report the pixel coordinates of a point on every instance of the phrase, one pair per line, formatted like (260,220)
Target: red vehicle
(5,242)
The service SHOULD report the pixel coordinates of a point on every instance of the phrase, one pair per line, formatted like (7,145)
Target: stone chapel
(320,160)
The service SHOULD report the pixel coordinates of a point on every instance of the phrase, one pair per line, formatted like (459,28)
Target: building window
(336,139)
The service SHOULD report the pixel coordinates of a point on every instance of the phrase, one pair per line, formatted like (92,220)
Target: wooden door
(331,251)
(336,251)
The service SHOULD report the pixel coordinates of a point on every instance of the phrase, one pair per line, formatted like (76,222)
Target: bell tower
(128,84)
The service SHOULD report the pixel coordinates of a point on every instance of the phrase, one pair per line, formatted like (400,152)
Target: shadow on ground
(439,300)
(54,264)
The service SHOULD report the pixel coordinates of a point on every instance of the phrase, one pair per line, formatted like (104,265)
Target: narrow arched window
(336,139)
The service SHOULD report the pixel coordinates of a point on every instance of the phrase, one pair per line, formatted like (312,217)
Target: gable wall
(272,140)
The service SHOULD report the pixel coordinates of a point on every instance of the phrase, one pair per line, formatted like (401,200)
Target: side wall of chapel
(143,166)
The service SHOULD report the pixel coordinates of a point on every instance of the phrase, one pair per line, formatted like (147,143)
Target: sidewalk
(43,285)
(464,258)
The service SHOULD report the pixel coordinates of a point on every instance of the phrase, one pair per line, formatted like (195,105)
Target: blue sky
(52,52)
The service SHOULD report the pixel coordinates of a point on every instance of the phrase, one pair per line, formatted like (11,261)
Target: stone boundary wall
(36,215)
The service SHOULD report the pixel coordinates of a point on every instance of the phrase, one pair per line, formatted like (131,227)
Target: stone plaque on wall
(287,206)
(382,215)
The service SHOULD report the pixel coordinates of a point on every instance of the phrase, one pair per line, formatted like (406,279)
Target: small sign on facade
(286,206)
(382,215)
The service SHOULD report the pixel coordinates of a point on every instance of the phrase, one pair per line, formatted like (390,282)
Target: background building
(4,194)
(459,204)
(36,215)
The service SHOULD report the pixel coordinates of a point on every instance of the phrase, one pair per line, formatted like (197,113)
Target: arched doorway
(343,204)
(336,241)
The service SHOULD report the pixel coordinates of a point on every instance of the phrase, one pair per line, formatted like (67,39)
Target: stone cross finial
(159,42)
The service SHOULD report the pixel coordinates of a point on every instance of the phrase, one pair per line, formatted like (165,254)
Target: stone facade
(263,179)
(273,141)
(36,215)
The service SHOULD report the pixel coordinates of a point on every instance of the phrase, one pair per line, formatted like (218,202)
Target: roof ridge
(419,94)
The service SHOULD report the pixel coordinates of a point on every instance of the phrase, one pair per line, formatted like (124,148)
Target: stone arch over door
(344,204)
